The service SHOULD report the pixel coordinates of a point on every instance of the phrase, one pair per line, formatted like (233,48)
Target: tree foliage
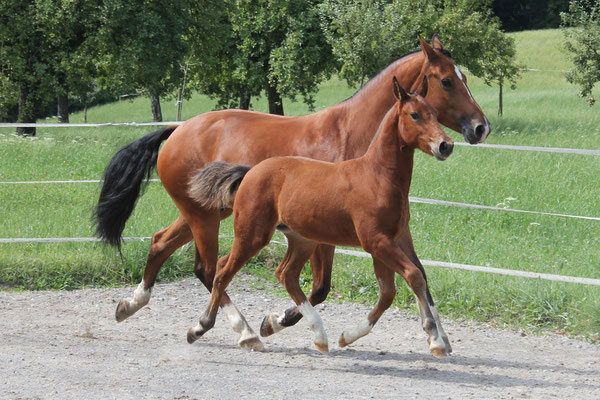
(274,46)
(366,35)
(581,28)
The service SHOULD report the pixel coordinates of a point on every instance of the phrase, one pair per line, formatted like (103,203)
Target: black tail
(124,178)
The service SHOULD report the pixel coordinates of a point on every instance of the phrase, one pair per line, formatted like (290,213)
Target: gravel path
(66,345)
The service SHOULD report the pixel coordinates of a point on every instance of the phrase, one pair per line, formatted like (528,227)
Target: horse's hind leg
(406,244)
(163,245)
(321,262)
(205,227)
(387,292)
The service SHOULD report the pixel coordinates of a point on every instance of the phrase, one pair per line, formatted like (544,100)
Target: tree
(24,62)
(274,46)
(356,33)
(467,27)
(581,29)
(142,45)
(477,42)
(70,26)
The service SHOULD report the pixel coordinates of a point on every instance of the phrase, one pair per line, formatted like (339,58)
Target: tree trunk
(155,106)
(85,113)
(62,106)
(500,101)
(275,102)
(245,98)
(26,111)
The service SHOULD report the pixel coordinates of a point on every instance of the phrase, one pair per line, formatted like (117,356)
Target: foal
(361,202)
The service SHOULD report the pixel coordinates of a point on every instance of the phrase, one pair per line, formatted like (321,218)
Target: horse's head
(449,95)
(418,126)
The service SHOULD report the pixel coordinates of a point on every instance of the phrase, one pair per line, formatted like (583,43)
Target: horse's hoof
(193,335)
(439,352)
(342,342)
(252,344)
(322,347)
(269,325)
(122,312)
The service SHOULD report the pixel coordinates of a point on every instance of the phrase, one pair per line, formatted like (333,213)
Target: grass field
(543,111)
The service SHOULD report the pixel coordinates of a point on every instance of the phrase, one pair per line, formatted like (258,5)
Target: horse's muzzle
(475,131)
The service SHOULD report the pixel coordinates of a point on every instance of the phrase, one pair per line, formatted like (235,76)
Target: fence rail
(354,253)
(587,152)
(430,263)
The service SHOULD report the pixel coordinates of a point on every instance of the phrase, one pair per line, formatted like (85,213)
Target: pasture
(543,111)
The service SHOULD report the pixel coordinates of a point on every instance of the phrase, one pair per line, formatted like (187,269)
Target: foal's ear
(399,92)
(427,49)
(424,87)
(436,43)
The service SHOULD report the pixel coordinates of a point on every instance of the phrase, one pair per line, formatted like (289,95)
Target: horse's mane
(374,77)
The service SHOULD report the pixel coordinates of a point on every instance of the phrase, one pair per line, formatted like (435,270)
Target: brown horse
(361,202)
(337,133)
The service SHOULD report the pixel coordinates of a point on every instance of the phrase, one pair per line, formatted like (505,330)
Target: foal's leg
(387,292)
(288,272)
(321,263)
(228,266)
(205,227)
(164,243)
(406,244)
(396,259)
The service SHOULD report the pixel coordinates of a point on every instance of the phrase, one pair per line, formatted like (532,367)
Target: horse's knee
(386,298)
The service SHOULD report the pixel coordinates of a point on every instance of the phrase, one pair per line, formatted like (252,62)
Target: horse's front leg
(386,250)
(387,292)
(321,263)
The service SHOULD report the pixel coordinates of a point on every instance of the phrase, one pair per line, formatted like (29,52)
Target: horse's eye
(414,116)
(446,83)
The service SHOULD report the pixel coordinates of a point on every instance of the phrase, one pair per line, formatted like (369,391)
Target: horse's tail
(125,176)
(216,184)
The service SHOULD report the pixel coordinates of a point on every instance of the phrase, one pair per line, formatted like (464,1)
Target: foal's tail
(124,177)
(215,185)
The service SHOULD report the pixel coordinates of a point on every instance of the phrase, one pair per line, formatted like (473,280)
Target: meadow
(544,110)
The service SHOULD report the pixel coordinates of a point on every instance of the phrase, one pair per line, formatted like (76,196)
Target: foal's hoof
(193,334)
(252,344)
(122,312)
(322,347)
(270,325)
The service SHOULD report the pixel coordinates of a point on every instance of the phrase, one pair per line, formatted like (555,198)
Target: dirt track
(66,345)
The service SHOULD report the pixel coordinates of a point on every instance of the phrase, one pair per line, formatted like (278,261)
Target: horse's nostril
(446,148)
(479,131)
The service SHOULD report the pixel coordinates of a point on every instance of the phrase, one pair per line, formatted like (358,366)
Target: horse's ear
(436,43)
(427,49)
(424,87)
(399,92)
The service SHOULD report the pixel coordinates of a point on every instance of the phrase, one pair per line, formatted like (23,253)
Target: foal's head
(418,126)
(449,94)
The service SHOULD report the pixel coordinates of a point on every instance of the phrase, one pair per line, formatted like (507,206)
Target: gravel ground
(66,345)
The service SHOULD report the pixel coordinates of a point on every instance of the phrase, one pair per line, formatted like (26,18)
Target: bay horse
(361,203)
(337,133)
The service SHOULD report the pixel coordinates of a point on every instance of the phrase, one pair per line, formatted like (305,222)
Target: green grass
(543,111)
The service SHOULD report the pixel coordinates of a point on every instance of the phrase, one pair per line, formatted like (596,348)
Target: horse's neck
(389,158)
(364,111)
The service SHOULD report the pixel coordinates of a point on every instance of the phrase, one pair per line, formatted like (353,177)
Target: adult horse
(337,133)
(361,202)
